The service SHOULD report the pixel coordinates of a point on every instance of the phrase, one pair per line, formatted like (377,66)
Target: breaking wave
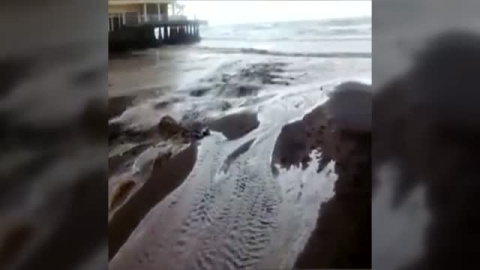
(286,54)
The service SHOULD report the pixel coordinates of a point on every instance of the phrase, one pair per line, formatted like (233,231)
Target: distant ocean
(328,38)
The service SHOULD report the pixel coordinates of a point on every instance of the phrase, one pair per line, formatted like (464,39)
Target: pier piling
(153,34)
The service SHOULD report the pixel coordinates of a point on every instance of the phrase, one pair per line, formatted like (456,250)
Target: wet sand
(342,238)
(250,195)
(235,126)
(164,178)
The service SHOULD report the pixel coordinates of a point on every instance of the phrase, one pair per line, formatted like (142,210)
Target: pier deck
(153,34)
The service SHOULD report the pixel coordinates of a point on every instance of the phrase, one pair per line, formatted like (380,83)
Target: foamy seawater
(233,210)
(304,37)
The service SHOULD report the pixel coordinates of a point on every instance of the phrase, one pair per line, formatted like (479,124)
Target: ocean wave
(223,38)
(287,54)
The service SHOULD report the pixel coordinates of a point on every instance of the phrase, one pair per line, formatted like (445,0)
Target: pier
(153,35)
(142,24)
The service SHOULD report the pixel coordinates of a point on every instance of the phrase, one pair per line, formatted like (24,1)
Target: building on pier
(140,24)
(134,12)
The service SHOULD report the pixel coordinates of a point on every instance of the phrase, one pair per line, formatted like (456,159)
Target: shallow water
(233,210)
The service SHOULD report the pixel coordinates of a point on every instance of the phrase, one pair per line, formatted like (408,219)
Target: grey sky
(221,12)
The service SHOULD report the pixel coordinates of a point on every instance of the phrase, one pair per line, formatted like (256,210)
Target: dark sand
(117,105)
(236,125)
(165,177)
(342,237)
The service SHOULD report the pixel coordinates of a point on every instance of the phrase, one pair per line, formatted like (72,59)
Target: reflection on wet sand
(238,176)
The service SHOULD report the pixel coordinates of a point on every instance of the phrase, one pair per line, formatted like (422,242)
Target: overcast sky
(225,11)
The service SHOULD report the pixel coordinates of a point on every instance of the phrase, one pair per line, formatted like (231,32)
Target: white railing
(177,18)
(133,19)
(151,18)
(117,21)
(141,18)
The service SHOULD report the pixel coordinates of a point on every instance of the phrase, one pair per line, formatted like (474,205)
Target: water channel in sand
(238,207)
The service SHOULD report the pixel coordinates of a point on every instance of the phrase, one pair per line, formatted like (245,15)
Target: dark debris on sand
(246,81)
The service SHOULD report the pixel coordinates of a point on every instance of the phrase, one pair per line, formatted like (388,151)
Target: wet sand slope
(240,207)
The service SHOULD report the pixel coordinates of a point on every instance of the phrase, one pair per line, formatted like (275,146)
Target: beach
(218,153)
